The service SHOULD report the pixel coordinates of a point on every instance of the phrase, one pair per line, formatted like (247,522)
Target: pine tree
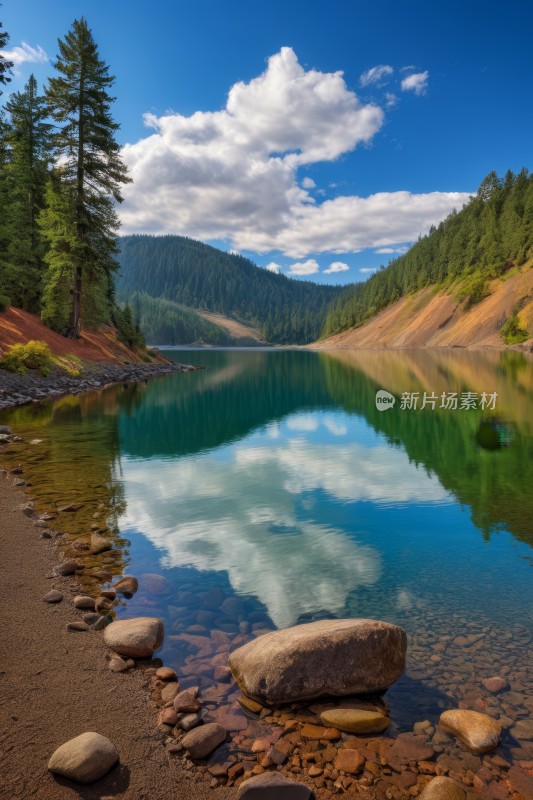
(5,65)
(91,174)
(29,141)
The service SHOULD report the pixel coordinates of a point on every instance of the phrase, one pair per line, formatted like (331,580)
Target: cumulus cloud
(368,270)
(273,267)
(309,267)
(417,82)
(389,250)
(232,174)
(336,266)
(25,53)
(375,75)
(308,183)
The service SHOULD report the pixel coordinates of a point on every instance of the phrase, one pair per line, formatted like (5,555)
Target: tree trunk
(74,328)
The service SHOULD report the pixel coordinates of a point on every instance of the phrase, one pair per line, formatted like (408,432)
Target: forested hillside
(165,322)
(489,236)
(196,275)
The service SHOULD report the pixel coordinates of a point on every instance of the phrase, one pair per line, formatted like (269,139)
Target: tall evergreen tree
(29,142)
(91,175)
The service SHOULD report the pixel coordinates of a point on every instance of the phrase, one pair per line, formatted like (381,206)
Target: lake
(269,489)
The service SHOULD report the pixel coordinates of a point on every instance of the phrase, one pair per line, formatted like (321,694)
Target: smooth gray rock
(201,741)
(137,637)
(84,759)
(328,657)
(272,786)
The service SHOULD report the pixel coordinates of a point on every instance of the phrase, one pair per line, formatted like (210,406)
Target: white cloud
(336,266)
(232,175)
(309,267)
(25,53)
(417,82)
(389,250)
(273,267)
(308,183)
(390,100)
(375,75)
(367,270)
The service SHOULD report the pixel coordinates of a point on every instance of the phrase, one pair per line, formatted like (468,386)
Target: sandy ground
(55,685)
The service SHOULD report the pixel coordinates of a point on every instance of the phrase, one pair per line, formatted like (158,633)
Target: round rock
(126,585)
(84,601)
(479,732)
(53,596)
(137,637)
(272,786)
(443,789)
(328,657)
(201,741)
(355,720)
(84,759)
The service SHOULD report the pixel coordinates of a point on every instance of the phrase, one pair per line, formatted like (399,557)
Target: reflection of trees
(494,484)
(83,437)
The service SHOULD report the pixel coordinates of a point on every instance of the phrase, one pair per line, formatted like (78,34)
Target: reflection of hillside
(223,403)
(494,484)
(508,373)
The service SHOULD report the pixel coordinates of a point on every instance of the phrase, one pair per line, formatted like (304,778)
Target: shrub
(33,355)
(512,332)
(5,302)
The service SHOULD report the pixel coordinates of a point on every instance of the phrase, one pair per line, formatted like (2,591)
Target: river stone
(350,761)
(53,596)
(126,585)
(478,732)
(201,741)
(99,544)
(272,786)
(68,567)
(443,789)
(355,720)
(328,657)
(137,637)
(84,759)
(523,730)
(84,602)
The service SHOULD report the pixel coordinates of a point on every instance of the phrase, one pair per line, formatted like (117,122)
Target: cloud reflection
(236,510)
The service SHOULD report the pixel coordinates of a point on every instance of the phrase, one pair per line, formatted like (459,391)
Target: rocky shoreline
(17,390)
(256,748)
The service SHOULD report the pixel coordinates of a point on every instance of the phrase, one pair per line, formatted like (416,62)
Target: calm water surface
(271,478)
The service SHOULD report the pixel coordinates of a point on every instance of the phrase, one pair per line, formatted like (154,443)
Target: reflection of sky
(249,509)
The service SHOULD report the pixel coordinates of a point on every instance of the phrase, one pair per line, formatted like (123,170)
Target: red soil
(20,326)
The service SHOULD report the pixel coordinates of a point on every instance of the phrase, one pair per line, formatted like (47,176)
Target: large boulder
(84,759)
(329,657)
(137,637)
(272,786)
(479,732)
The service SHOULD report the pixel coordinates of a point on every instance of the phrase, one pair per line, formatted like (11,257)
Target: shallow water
(272,478)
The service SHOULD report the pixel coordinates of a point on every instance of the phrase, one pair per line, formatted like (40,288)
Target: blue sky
(257,143)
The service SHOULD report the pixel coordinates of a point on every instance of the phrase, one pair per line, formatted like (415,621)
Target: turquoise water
(272,479)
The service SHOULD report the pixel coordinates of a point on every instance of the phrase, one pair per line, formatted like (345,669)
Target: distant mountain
(464,260)
(197,276)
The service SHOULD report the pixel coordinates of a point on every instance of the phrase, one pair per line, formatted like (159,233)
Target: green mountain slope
(490,235)
(196,275)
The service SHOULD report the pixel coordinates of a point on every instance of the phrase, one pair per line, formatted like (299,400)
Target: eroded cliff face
(437,319)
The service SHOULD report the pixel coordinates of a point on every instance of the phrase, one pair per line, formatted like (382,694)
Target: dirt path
(55,684)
